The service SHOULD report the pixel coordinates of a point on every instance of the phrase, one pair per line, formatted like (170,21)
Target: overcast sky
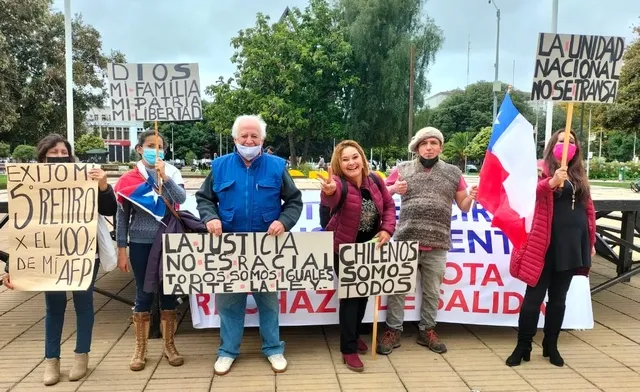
(150,31)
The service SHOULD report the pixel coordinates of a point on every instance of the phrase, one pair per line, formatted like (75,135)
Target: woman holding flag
(560,245)
(366,212)
(143,203)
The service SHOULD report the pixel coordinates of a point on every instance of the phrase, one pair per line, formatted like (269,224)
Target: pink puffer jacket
(527,262)
(345,222)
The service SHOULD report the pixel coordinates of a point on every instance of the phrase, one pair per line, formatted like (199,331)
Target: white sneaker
(278,363)
(223,365)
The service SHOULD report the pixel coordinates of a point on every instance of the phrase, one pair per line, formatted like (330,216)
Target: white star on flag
(152,194)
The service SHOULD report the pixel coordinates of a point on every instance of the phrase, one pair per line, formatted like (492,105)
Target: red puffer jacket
(346,221)
(527,262)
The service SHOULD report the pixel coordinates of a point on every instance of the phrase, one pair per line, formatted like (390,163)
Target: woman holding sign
(560,245)
(56,149)
(143,206)
(367,211)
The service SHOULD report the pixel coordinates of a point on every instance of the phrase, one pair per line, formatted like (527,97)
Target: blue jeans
(56,304)
(139,257)
(232,307)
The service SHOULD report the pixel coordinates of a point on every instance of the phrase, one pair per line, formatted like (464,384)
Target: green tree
(4,150)
(32,70)
(478,145)
(294,73)
(189,157)
(455,148)
(625,113)
(88,141)
(472,109)
(24,153)
(381,33)
(133,156)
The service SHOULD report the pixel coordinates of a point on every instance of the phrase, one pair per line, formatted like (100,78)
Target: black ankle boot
(527,327)
(520,353)
(552,327)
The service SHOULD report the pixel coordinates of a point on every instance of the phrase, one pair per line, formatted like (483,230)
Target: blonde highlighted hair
(336,158)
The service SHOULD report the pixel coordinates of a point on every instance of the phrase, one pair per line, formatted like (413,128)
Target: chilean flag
(136,186)
(509,174)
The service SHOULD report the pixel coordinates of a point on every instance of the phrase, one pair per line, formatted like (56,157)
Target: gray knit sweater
(136,225)
(425,210)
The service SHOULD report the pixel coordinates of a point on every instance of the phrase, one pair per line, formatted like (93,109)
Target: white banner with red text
(477,287)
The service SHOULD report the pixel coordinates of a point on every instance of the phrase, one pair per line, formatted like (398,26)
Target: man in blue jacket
(249,191)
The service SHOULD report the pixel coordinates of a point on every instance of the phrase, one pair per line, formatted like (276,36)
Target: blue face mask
(149,155)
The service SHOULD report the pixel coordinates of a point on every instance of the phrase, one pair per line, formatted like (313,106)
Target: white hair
(258,119)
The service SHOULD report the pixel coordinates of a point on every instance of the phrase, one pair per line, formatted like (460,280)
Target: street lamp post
(496,83)
(68,57)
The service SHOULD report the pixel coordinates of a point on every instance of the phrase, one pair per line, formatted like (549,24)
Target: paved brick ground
(605,358)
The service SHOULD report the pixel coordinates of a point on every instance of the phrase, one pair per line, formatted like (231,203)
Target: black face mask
(60,160)
(428,163)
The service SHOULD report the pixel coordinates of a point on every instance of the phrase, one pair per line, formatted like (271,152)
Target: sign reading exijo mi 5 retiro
(154,92)
(577,68)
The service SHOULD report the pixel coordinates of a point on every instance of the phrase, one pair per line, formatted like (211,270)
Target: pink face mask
(557,151)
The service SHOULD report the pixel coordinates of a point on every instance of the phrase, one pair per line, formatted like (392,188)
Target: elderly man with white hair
(249,191)
(428,187)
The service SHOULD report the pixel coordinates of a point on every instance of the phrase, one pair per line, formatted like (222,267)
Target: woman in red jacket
(367,212)
(560,245)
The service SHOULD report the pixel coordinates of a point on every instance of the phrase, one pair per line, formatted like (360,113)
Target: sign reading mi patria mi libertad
(154,92)
(577,68)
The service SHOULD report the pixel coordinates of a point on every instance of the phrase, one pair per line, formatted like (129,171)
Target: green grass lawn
(611,184)
(3,181)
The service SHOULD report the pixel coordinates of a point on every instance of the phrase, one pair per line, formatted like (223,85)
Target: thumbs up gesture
(401,186)
(328,186)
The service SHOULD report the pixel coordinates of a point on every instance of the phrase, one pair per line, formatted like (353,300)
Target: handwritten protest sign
(247,262)
(154,92)
(577,68)
(53,210)
(366,271)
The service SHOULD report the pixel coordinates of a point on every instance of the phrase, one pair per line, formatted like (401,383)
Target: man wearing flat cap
(428,187)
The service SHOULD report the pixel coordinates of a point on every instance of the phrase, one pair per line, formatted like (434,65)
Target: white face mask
(248,153)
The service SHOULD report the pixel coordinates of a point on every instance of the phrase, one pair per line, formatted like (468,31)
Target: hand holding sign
(383,238)
(6,282)
(214,226)
(329,185)
(401,186)
(276,228)
(101,176)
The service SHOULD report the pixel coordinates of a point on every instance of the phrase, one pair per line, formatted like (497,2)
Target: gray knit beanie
(422,135)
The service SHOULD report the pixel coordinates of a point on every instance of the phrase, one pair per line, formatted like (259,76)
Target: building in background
(433,101)
(120,137)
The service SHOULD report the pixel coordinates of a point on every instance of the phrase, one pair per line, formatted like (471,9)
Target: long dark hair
(575,167)
(47,143)
(150,132)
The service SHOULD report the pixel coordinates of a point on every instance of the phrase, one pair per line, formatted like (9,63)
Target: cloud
(200,31)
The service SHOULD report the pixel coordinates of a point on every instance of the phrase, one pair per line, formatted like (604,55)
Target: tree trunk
(292,151)
(305,148)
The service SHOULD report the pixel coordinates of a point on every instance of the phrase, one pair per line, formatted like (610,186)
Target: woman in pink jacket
(559,246)
(367,212)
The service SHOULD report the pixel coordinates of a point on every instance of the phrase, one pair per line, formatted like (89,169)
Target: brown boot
(51,371)
(80,367)
(168,324)
(141,323)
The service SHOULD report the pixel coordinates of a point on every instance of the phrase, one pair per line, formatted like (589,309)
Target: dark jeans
(139,257)
(557,282)
(350,314)
(56,305)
